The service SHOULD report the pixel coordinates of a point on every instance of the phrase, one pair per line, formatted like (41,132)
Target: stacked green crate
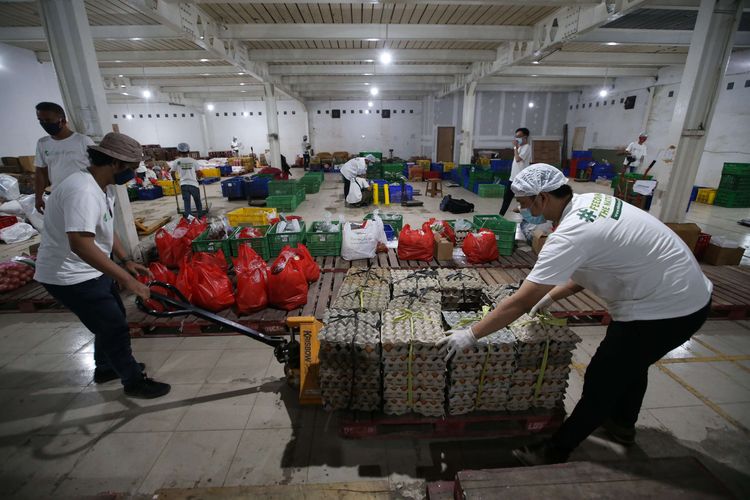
(479,176)
(396,221)
(376,154)
(282,187)
(205,244)
(311,184)
(260,245)
(505,231)
(321,242)
(392,172)
(299,192)
(283,202)
(734,187)
(277,241)
(491,190)
(375,171)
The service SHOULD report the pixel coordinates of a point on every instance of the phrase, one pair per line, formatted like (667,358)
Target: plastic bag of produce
(15,274)
(9,188)
(416,244)
(17,233)
(480,247)
(211,287)
(252,281)
(287,284)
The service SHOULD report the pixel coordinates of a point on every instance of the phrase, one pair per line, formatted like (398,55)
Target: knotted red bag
(416,244)
(480,247)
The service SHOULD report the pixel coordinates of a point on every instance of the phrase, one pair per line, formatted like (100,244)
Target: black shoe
(619,433)
(102,375)
(147,388)
(540,454)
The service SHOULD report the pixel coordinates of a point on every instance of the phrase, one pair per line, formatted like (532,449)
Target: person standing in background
(521,160)
(306,149)
(185,166)
(236,145)
(58,155)
(635,153)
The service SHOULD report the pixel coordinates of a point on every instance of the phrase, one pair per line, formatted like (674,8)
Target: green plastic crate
(311,187)
(734,182)
(505,247)
(494,223)
(322,243)
(203,244)
(320,176)
(376,154)
(396,221)
(283,203)
(491,190)
(278,241)
(736,169)
(732,199)
(276,188)
(260,245)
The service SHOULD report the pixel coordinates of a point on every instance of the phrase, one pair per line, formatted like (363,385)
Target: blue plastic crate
(233,188)
(582,155)
(436,167)
(209,180)
(225,170)
(256,187)
(396,194)
(501,165)
(151,193)
(389,232)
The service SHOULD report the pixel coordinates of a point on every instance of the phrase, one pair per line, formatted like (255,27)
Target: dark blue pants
(193,192)
(98,305)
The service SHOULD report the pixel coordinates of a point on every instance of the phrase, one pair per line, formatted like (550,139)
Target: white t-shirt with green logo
(77,204)
(626,256)
(185,167)
(63,157)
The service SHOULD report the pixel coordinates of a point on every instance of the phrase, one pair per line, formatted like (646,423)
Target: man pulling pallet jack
(654,288)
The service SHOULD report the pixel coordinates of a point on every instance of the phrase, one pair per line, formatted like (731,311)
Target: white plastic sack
(36,219)
(361,243)
(11,208)
(355,192)
(17,233)
(9,188)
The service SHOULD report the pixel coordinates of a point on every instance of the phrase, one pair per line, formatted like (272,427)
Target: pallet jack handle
(286,351)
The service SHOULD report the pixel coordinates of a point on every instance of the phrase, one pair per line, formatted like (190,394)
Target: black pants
(306,161)
(347,183)
(617,376)
(194,193)
(507,198)
(98,305)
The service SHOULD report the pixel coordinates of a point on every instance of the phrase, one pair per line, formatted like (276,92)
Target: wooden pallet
(363,425)
(30,298)
(731,295)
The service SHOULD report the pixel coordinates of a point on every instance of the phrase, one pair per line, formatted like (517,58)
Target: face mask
(531,218)
(52,128)
(124,177)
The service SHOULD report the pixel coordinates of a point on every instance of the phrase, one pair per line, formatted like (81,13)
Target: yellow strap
(542,369)
(410,315)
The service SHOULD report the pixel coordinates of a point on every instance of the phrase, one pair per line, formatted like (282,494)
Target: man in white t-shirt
(654,288)
(356,167)
(521,160)
(635,153)
(75,267)
(58,155)
(185,167)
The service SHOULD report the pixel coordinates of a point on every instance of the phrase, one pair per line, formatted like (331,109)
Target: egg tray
(415,281)
(368,276)
(492,294)
(358,297)
(427,298)
(462,289)
(529,330)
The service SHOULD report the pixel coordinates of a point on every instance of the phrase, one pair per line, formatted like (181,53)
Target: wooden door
(579,134)
(446,138)
(545,152)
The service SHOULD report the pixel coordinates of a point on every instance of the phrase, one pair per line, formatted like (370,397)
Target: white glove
(542,305)
(457,340)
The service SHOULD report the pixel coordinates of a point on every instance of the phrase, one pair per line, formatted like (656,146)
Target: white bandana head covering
(538,178)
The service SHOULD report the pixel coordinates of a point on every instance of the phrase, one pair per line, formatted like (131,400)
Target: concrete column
(706,63)
(72,50)
(467,123)
(272,120)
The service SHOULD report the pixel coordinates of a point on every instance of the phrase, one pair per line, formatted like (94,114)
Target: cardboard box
(689,233)
(443,248)
(27,163)
(9,161)
(538,240)
(720,256)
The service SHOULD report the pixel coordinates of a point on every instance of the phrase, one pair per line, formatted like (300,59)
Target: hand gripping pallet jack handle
(286,351)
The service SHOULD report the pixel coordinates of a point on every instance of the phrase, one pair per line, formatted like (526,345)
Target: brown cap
(120,146)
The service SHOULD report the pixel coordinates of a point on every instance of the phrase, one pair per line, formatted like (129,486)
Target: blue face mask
(124,177)
(530,218)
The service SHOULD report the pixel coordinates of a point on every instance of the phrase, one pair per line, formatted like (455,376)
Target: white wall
(156,123)
(365,129)
(24,82)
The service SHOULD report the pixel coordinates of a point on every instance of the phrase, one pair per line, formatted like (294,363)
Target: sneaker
(619,433)
(147,388)
(102,375)
(540,454)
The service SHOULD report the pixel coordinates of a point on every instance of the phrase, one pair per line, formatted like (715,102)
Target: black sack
(448,204)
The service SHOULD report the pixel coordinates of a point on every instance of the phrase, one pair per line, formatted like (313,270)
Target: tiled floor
(231,420)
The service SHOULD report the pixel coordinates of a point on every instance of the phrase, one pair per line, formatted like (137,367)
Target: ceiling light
(118,61)
(202,37)
(367,83)
(210,107)
(120,76)
(205,74)
(204,60)
(374,91)
(242,83)
(533,75)
(135,39)
(531,104)
(244,113)
(122,86)
(369,60)
(125,93)
(612,44)
(369,104)
(129,117)
(366,74)
(534,62)
(243,91)
(240,73)
(146,94)
(603,93)
(386,58)
(372,39)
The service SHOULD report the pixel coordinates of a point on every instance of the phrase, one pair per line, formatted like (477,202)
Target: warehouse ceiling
(203,51)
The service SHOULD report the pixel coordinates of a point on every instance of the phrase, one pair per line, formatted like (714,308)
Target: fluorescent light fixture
(603,93)
(120,76)
(369,104)
(136,39)
(533,75)
(125,93)
(205,74)
(129,117)
(612,44)
(122,86)
(244,113)
(367,83)
(210,106)
(242,83)
(118,61)
(386,58)
(372,39)
(240,73)
(146,94)
(369,60)
(243,91)
(374,91)
(204,60)
(534,62)
(531,104)
(366,74)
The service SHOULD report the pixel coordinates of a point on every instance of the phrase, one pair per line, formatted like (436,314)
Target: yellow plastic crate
(211,172)
(170,188)
(425,164)
(706,195)
(484,162)
(448,166)
(251,216)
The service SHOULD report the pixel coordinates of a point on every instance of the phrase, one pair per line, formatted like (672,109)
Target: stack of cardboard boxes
(21,168)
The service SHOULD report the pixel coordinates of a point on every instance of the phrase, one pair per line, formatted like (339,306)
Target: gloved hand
(542,305)
(457,340)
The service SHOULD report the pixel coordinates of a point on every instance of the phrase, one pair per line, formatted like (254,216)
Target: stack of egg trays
(415,290)
(368,276)
(359,297)
(531,337)
(461,289)
(350,351)
(492,294)
(485,367)
(427,363)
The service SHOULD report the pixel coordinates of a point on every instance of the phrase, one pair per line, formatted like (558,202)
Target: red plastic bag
(172,247)
(216,259)
(416,244)
(185,279)
(480,247)
(287,284)
(252,281)
(250,232)
(309,266)
(441,227)
(161,273)
(211,287)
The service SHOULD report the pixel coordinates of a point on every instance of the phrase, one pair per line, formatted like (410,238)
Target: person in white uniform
(521,160)
(75,267)
(635,153)
(654,288)
(356,167)
(59,154)
(185,167)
